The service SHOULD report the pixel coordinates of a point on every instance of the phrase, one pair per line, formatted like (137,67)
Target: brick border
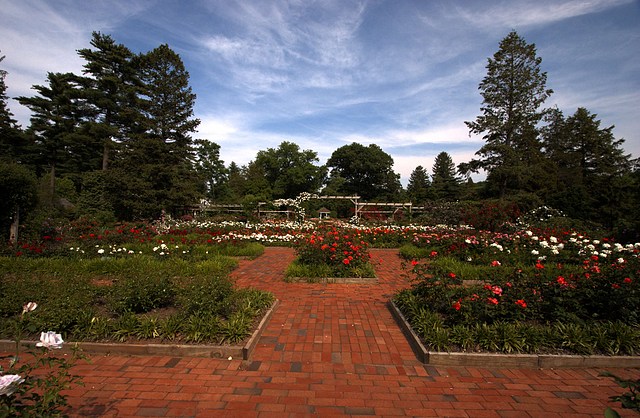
(525,361)
(177,350)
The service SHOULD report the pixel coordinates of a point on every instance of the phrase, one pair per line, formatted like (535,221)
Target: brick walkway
(331,350)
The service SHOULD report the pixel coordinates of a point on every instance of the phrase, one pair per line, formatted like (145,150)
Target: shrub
(342,251)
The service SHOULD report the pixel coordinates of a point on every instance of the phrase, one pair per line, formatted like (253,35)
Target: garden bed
(225,351)
(501,360)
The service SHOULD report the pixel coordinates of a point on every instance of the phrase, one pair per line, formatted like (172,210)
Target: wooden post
(13,231)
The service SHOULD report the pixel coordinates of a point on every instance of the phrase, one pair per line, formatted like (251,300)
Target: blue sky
(401,74)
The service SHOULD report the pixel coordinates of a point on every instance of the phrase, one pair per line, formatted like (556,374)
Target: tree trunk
(13,230)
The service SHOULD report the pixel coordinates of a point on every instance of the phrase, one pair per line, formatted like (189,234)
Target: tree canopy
(366,171)
(513,92)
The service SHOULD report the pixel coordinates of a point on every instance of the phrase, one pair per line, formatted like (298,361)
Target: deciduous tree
(367,172)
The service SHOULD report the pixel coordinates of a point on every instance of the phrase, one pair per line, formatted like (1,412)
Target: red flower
(561,281)
(414,263)
(456,305)
(539,265)
(627,280)
(521,303)
(346,261)
(615,286)
(433,253)
(452,275)
(492,301)
(495,263)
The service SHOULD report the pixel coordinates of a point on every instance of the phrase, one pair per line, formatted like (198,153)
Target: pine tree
(419,186)
(158,149)
(445,184)
(56,124)
(112,90)
(10,135)
(513,91)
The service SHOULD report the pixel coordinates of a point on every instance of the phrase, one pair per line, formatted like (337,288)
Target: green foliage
(367,172)
(419,186)
(133,297)
(630,399)
(39,377)
(290,171)
(18,190)
(445,183)
(141,293)
(205,294)
(513,91)
(556,295)
(344,253)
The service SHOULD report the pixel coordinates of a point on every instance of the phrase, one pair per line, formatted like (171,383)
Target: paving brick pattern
(331,350)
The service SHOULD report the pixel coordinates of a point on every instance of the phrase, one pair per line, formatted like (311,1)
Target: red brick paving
(331,350)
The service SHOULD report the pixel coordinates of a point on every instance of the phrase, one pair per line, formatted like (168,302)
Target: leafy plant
(629,399)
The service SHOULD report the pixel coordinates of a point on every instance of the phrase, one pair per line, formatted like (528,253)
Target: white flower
(28,307)
(595,241)
(620,260)
(553,240)
(9,383)
(535,252)
(50,340)
(529,233)
(101,251)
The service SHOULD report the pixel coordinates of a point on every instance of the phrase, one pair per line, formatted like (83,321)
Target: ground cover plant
(530,291)
(163,293)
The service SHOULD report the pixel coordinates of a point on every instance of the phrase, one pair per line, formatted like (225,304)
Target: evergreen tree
(112,90)
(236,183)
(214,174)
(158,153)
(592,172)
(56,123)
(10,134)
(513,91)
(419,186)
(445,184)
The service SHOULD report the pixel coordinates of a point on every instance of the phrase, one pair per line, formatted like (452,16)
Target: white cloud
(512,13)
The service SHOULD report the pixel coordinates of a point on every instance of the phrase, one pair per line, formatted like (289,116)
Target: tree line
(116,143)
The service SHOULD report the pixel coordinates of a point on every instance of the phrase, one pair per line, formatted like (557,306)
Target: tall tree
(214,174)
(56,122)
(291,171)
(367,172)
(592,172)
(419,186)
(445,183)
(159,149)
(10,134)
(113,91)
(513,92)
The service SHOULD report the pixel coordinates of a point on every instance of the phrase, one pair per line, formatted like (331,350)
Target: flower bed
(331,252)
(525,293)
(181,297)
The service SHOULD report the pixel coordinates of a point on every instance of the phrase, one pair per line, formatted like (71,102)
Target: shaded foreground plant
(32,384)
(629,399)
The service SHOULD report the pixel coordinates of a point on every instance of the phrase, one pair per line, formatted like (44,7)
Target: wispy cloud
(523,13)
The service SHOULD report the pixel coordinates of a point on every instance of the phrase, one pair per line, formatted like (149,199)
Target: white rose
(50,340)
